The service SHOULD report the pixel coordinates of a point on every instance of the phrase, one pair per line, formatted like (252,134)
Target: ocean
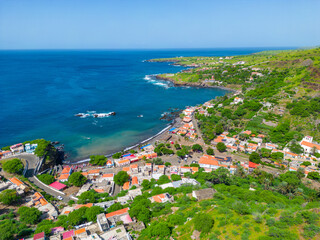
(42,90)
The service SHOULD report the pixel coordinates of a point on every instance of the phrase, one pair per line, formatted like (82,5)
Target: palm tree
(283,187)
(237,142)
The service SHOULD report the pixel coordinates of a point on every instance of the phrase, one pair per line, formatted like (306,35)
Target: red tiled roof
(79,231)
(65,170)
(135,180)
(253,165)
(118,212)
(209,160)
(15,181)
(38,236)
(311,145)
(88,205)
(126,186)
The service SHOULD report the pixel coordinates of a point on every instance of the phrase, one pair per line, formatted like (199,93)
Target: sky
(144,24)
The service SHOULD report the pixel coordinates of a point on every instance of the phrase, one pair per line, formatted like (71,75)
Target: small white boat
(140,116)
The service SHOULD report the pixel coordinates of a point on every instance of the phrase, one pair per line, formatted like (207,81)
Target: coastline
(161,134)
(196,84)
(151,140)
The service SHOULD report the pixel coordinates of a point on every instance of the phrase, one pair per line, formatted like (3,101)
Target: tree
(77,179)
(46,178)
(167,164)
(175,177)
(197,148)
(117,155)
(158,229)
(13,166)
(8,196)
(158,161)
(115,207)
(177,146)
(221,147)
(163,179)
(306,163)
(99,160)
(42,148)
(176,219)
(219,129)
(29,215)
(77,217)
(92,212)
(7,229)
(314,176)
(210,151)
(291,180)
(203,222)
(121,177)
(296,148)
(87,197)
(255,158)
(240,172)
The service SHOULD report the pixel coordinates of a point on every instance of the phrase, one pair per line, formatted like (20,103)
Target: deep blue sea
(42,90)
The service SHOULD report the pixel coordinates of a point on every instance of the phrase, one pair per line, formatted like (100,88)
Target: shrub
(46,178)
(121,177)
(77,179)
(13,166)
(221,147)
(99,160)
(203,222)
(8,196)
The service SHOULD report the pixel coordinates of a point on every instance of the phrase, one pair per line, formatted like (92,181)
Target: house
(203,193)
(121,215)
(39,236)
(123,162)
(81,233)
(57,185)
(108,176)
(252,166)
(208,161)
(68,235)
(94,172)
(134,193)
(29,148)
(309,147)
(88,205)
(18,184)
(117,233)
(110,164)
(237,100)
(187,119)
(47,209)
(126,186)
(64,177)
(134,181)
(66,170)
(6,153)
(161,198)
(271,146)
(17,148)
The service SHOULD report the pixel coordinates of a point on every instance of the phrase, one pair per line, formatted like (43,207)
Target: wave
(94,114)
(151,79)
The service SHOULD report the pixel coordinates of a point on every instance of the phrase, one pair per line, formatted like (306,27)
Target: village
(152,163)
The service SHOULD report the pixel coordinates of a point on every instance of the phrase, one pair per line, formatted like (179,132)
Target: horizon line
(173,48)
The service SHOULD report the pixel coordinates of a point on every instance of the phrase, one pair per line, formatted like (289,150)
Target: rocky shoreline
(192,84)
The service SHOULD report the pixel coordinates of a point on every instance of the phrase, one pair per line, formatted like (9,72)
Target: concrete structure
(203,193)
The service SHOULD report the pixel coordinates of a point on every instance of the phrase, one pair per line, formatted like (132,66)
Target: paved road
(195,125)
(33,161)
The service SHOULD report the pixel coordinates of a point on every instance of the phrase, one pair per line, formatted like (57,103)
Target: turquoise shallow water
(42,90)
